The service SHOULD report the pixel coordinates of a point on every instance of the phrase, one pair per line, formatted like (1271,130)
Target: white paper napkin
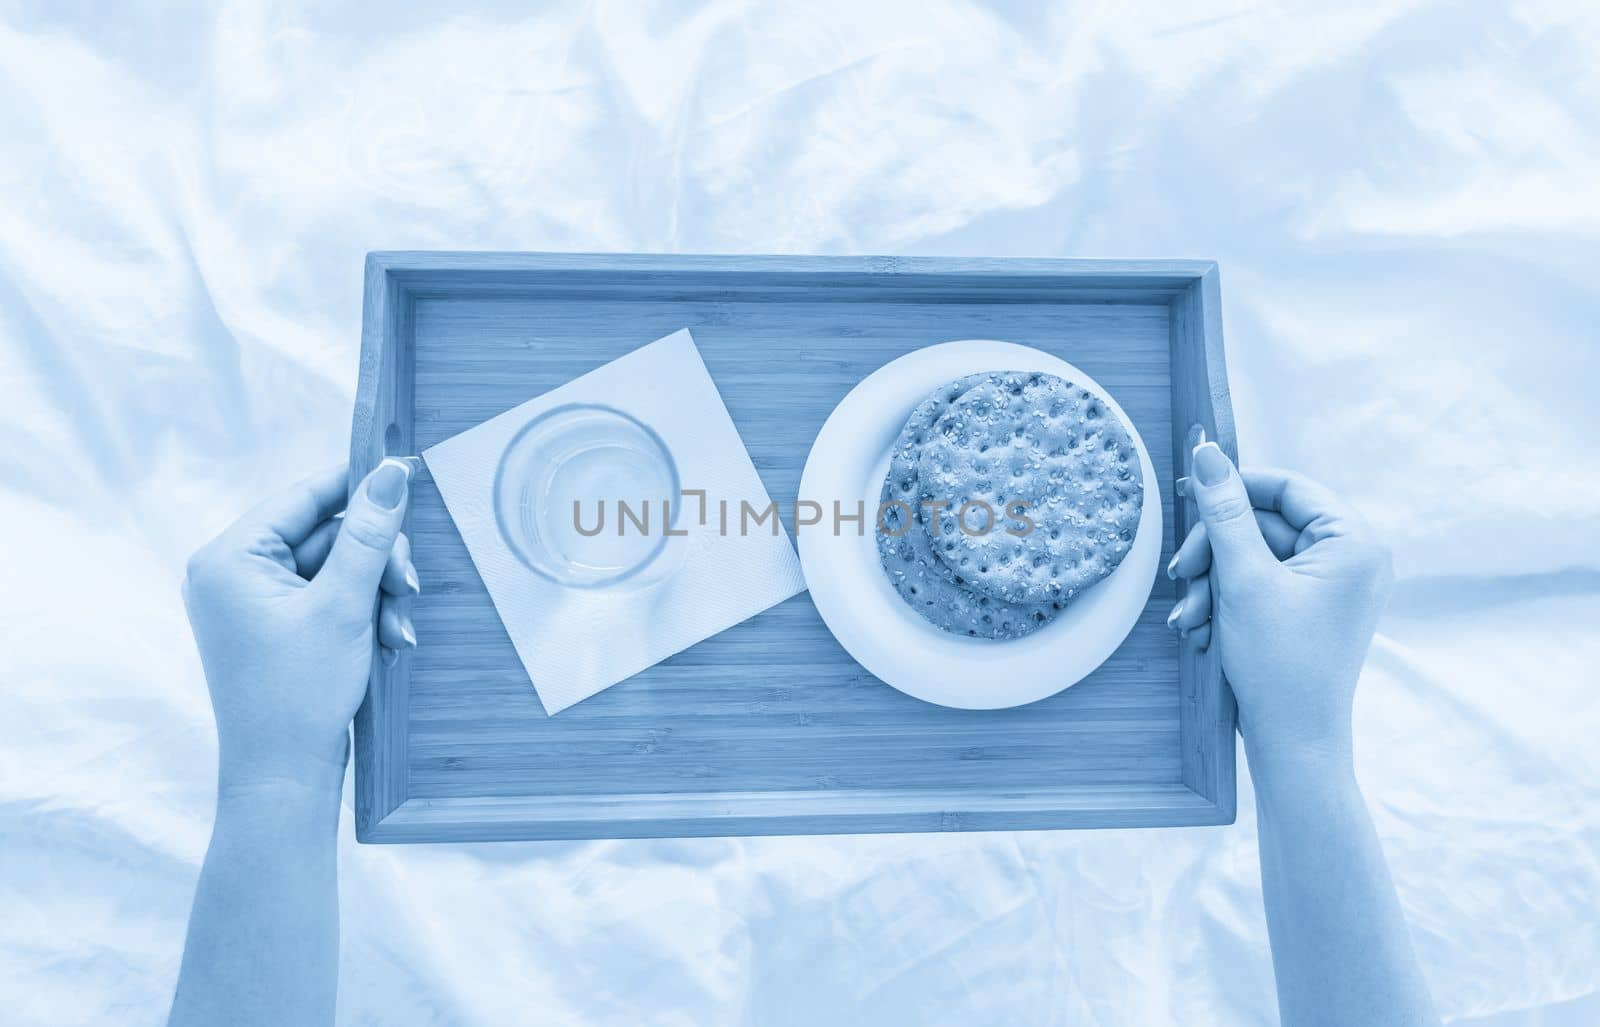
(575,642)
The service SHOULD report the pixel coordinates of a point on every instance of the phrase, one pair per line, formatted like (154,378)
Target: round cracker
(1037,439)
(925,582)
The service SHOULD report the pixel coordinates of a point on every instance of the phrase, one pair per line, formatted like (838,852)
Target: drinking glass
(586,495)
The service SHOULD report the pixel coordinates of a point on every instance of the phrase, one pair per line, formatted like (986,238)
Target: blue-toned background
(1402,195)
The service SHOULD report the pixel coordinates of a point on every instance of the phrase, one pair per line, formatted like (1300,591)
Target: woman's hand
(282,604)
(1290,582)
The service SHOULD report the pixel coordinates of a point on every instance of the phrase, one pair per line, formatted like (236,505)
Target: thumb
(1236,543)
(371,524)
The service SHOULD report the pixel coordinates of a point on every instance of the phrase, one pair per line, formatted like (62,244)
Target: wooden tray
(769,727)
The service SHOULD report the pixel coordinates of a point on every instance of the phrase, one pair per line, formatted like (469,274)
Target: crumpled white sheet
(1402,198)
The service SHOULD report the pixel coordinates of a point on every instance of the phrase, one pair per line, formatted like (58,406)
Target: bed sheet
(1401,195)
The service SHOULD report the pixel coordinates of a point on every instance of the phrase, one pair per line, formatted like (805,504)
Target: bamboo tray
(770,727)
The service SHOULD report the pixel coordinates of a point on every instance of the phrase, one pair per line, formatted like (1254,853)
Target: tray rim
(1206,793)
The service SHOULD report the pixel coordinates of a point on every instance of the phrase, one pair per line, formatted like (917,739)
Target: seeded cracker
(924,581)
(1038,439)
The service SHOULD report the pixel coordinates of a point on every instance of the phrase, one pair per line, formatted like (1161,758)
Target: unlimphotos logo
(894,517)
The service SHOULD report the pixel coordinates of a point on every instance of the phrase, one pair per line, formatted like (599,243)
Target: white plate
(848,461)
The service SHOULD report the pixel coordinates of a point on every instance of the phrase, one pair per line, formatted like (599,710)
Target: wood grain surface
(768,727)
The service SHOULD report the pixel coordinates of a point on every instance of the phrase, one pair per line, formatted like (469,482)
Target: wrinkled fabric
(1402,198)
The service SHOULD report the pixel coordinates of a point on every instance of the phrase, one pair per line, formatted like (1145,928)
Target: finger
(309,555)
(1193,558)
(394,624)
(1194,609)
(1237,547)
(366,536)
(1279,533)
(295,513)
(1200,637)
(1297,498)
(399,577)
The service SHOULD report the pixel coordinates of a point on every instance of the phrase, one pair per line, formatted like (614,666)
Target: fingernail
(1181,486)
(1172,567)
(388,656)
(1172,618)
(409,635)
(387,486)
(411,580)
(1211,466)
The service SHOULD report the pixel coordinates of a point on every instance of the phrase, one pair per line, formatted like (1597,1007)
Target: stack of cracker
(1008,494)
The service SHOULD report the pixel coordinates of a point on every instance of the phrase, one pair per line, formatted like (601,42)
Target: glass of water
(588,496)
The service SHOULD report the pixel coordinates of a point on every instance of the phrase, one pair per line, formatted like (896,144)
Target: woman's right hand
(1299,581)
